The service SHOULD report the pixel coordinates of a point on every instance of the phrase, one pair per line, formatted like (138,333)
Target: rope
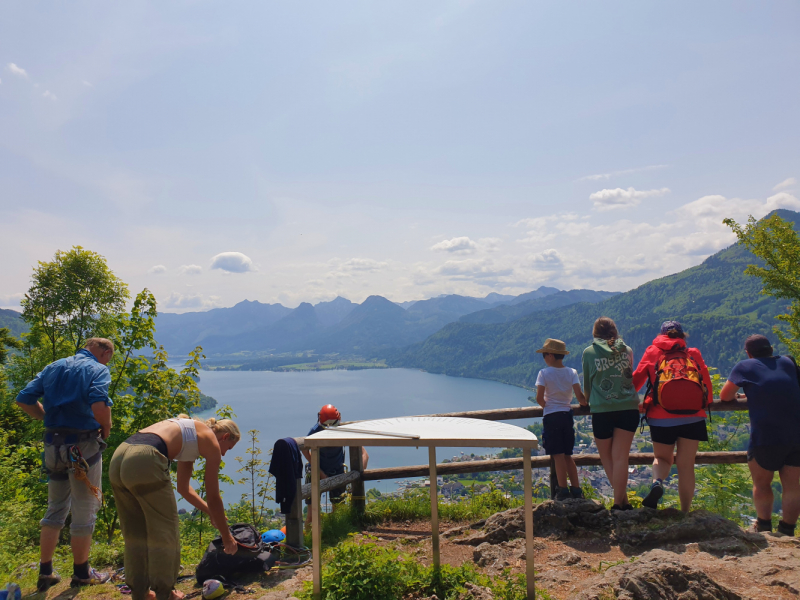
(80,469)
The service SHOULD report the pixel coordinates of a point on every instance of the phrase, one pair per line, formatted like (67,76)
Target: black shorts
(604,424)
(774,458)
(335,496)
(669,435)
(558,436)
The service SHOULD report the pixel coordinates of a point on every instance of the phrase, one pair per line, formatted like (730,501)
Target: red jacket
(646,370)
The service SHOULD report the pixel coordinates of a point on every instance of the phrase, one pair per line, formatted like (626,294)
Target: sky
(286,152)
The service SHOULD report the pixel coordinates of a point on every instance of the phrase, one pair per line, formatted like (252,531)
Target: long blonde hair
(222,426)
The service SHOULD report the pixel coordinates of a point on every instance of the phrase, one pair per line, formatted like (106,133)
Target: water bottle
(12,592)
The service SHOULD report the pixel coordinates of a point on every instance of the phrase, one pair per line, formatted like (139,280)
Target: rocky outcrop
(656,575)
(634,531)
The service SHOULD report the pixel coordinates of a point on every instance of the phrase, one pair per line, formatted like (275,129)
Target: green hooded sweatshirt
(608,376)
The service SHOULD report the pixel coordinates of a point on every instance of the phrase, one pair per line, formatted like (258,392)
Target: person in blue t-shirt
(76,412)
(331,459)
(772,386)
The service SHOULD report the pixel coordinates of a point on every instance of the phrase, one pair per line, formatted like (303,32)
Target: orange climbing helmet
(329,415)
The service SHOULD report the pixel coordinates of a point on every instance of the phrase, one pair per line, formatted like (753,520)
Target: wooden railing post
(553,479)
(294,520)
(359,498)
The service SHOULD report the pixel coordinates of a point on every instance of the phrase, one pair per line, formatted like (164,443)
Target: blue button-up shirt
(68,388)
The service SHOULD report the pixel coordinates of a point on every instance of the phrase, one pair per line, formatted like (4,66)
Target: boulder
(656,575)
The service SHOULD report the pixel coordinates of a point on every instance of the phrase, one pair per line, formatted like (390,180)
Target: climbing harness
(68,458)
(80,469)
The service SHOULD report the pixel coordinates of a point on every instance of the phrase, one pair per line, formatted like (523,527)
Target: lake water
(282,405)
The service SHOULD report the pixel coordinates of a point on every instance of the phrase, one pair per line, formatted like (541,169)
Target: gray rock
(656,575)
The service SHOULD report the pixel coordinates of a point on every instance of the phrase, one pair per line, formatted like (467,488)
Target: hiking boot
(575,492)
(762,526)
(785,528)
(652,498)
(45,582)
(95,578)
(563,494)
(623,507)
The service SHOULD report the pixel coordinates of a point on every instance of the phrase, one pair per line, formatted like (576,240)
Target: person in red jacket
(668,429)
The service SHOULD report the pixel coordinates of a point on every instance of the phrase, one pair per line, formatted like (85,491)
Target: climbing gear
(678,386)
(68,458)
(252,555)
(272,536)
(79,467)
(329,415)
(95,578)
(212,589)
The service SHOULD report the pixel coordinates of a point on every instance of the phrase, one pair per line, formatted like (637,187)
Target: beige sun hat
(552,346)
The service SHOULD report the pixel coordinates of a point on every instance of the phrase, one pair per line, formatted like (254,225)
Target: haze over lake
(286,405)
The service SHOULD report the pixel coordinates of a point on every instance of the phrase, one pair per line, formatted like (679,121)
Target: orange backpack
(678,387)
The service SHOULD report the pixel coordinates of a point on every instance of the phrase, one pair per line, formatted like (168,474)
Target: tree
(775,241)
(72,298)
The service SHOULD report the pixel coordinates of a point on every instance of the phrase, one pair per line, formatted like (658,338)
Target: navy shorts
(774,458)
(559,433)
(604,423)
(669,435)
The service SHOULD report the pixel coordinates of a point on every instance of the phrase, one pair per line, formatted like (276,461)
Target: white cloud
(49,94)
(489,244)
(232,262)
(699,244)
(190,270)
(18,71)
(362,264)
(157,270)
(178,300)
(548,260)
(456,245)
(86,83)
(786,183)
(606,176)
(609,199)
(11,300)
(782,200)
(472,269)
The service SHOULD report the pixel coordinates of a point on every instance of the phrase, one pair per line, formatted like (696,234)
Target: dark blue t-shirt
(331,458)
(773,399)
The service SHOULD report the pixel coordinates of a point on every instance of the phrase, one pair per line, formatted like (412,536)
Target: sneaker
(652,498)
(45,582)
(575,492)
(95,578)
(563,494)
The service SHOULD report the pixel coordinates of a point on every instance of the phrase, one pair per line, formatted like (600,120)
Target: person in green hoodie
(613,403)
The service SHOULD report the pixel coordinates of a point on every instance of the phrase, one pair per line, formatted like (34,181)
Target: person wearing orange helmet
(331,459)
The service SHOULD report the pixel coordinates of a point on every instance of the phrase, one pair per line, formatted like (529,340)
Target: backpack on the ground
(678,386)
(253,556)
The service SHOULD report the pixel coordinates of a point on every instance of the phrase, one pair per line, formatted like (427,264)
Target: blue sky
(288,152)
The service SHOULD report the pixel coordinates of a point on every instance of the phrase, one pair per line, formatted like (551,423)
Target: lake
(282,405)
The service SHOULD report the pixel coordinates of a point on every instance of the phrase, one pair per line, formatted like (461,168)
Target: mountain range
(718,305)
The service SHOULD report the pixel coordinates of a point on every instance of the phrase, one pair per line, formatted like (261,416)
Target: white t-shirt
(557,385)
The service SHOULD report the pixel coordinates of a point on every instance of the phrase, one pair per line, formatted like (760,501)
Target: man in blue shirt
(71,397)
(772,386)
(331,459)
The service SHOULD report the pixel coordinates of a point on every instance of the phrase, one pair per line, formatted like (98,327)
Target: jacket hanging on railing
(287,467)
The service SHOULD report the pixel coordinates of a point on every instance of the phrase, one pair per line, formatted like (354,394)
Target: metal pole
(528,484)
(316,532)
(434,508)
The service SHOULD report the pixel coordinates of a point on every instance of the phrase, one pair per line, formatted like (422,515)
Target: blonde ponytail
(222,426)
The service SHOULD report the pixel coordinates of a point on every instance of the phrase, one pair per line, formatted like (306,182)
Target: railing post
(294,520)
(553,479)
(358,496)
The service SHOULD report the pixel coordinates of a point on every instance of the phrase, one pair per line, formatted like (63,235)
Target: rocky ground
(582,552)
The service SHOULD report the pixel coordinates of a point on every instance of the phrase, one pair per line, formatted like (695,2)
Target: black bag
(252,556)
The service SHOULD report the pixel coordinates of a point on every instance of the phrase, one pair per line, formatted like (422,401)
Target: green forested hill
(13,321)
(718,305)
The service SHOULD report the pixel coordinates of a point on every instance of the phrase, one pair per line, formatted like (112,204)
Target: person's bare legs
(620,451)
(790,482)
(572,471)
(80,548)
(561,469)
(663,456)
(604,450)
(684,460)
(763,497)
(48,540)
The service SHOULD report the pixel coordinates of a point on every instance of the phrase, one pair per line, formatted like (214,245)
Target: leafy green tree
(72,298)
(257,479)
(775,241)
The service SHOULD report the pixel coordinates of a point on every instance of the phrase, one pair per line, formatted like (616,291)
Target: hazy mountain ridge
(716,302)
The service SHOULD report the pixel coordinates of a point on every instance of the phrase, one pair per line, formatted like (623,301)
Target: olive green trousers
(148,516)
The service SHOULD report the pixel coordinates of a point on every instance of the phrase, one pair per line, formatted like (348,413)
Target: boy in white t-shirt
(555,385)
